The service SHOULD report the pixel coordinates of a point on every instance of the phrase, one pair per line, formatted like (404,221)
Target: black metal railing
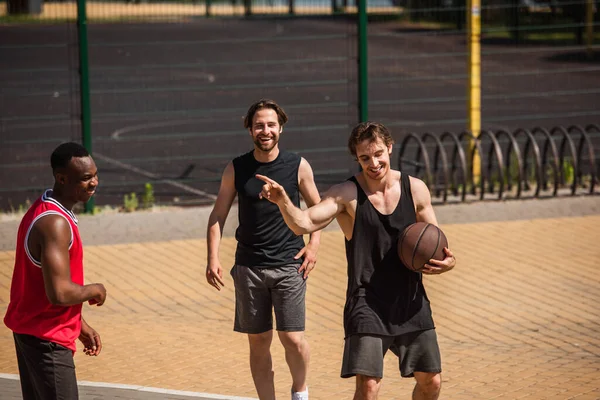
(536,161)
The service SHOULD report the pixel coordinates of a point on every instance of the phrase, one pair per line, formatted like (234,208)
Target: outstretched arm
(310,220)
(425,213)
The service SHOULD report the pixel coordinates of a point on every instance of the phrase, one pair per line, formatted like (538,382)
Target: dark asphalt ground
(11,390)
(168,98)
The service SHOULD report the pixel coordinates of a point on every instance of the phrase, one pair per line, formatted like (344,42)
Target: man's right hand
(214,275)
(271,190)
(100,298)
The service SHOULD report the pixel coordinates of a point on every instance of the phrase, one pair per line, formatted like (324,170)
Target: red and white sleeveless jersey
(29,311)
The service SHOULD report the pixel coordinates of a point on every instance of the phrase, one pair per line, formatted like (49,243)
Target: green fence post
(363,95)
(84,86)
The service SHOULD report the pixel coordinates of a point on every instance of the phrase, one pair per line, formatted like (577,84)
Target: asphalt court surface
(11,390)
(168,98)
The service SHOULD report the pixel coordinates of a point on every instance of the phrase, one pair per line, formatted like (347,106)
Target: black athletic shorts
(416,351)
(46,369)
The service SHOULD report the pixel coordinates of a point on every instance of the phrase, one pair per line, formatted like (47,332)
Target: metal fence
(524,163)
(170,81)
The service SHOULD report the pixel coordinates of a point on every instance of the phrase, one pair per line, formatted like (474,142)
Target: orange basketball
(419,243)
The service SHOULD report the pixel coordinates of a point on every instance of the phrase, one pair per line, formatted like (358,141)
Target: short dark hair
(369,131)
(63,153)
(265,103)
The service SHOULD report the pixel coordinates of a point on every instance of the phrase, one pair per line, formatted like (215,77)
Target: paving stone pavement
(171,223)
(517,319)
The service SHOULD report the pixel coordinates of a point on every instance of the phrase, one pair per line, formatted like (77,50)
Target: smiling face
(265,129)
(374,158)
(78,180)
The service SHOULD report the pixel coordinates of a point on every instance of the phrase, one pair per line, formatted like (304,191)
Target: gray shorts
(259,291)
(416,351)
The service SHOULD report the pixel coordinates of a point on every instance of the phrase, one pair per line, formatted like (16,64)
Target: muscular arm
(50,237)
(308,189)
(312,219)
(309,192)
(216,222)
(425,213)
(220,211)
(422,200)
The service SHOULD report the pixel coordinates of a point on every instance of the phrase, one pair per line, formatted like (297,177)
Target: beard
(266,146)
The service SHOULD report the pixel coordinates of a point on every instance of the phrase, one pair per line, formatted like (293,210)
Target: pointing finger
(265,179)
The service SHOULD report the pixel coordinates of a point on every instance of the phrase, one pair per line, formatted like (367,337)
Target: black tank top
(383,297)
(264,240)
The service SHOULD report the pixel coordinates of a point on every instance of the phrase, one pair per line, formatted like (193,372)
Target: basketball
(419,243)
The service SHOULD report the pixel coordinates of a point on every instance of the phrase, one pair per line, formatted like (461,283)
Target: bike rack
(518,157)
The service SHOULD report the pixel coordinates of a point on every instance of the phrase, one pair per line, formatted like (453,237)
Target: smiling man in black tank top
(386,304)
(271,262)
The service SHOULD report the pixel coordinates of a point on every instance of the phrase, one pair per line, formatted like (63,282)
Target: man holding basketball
(386,304)
(271,262)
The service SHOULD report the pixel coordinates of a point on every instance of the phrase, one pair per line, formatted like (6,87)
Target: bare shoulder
(344,192)
(304,170)
(227,191)
(229,170)
(417,184)
(228,178)
(419,191)
(51,223)
(304,164)
(52,227)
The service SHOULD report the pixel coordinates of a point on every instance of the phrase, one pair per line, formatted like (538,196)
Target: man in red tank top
(47,289)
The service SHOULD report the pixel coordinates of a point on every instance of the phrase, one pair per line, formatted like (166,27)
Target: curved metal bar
(585,139)
(498,150)
(549,144)
(440,153)
(460,153)
(476,148)
(421,151)
(567,140)
(531,144)
(514,147)
(594,127)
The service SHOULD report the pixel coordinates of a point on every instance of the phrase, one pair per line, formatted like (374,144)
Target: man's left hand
(310,258)
(92,345)
(435,267)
